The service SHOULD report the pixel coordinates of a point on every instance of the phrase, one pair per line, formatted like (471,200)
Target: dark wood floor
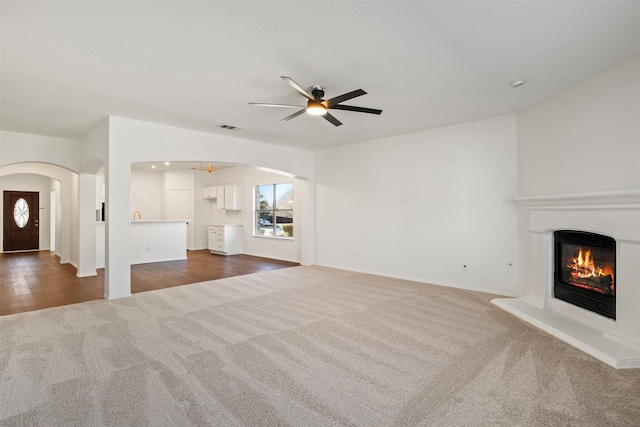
(35,280)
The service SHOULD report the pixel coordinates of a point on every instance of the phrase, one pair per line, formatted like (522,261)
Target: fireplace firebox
(584,271)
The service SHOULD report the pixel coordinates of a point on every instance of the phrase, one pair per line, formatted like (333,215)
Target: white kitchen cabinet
(209,193)
(233,197)
(225,239)
(229,197)
(220,197)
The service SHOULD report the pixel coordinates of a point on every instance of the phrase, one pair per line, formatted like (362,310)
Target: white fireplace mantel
(615,214)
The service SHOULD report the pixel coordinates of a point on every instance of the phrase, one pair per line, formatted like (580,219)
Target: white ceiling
(67,65)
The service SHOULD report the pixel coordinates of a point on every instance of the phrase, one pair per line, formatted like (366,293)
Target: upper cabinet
(230,197)
(220,201)
(209,192)
(227,197)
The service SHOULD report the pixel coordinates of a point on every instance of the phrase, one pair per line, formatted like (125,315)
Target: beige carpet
(303,346)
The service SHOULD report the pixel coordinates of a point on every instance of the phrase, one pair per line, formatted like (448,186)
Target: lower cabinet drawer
(225,240)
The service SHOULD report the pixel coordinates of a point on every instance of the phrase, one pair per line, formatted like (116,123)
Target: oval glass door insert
(21,212)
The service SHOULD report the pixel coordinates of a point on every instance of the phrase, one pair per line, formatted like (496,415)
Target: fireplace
(608,328)
(584,271)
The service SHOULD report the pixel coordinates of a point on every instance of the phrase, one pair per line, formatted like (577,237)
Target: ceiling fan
(317,106)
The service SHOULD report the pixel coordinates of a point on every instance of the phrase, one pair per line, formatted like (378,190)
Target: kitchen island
(151,241)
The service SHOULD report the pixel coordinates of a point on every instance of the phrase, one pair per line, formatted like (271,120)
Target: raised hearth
(605,321)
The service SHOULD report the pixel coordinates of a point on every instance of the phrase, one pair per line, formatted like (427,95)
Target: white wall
(94,147)
(29,182)
(73,217)
(151,195)
(56,189)
(138,141)
(100,244)
(422,205)
(158,241)
(583,140)
(145,194)
(93,156)
(180,181)
(22,147)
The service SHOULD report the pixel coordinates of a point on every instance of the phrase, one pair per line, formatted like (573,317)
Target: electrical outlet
(148,248)
(465,268)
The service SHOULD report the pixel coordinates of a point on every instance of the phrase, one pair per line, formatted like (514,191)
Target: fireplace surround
(613,336)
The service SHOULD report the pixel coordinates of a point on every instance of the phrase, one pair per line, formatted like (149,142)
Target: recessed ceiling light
(517,83)
(167,163)
(153,166)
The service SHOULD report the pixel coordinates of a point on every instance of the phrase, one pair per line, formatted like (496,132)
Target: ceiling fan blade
(357,109)
(294,115)
(328,117)
(344,97)
(262,104)
(297,87)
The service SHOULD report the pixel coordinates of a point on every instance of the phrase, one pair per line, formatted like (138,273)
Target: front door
(21,221)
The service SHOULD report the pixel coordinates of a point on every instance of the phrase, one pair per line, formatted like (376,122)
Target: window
(274,210)
(21,212)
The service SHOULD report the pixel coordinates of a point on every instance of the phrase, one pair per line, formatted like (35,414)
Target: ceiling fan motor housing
(317,91)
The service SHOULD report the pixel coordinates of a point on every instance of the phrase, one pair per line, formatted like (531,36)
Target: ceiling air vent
(228,127)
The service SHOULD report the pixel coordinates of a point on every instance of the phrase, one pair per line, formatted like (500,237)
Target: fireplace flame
(583,266)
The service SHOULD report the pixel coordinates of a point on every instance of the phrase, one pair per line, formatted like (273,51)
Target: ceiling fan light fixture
(317,106)
(316,109)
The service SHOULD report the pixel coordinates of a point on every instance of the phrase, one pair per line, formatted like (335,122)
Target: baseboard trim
(112,297)
(157,260)
(89,274)
(273,257)
(419,280)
